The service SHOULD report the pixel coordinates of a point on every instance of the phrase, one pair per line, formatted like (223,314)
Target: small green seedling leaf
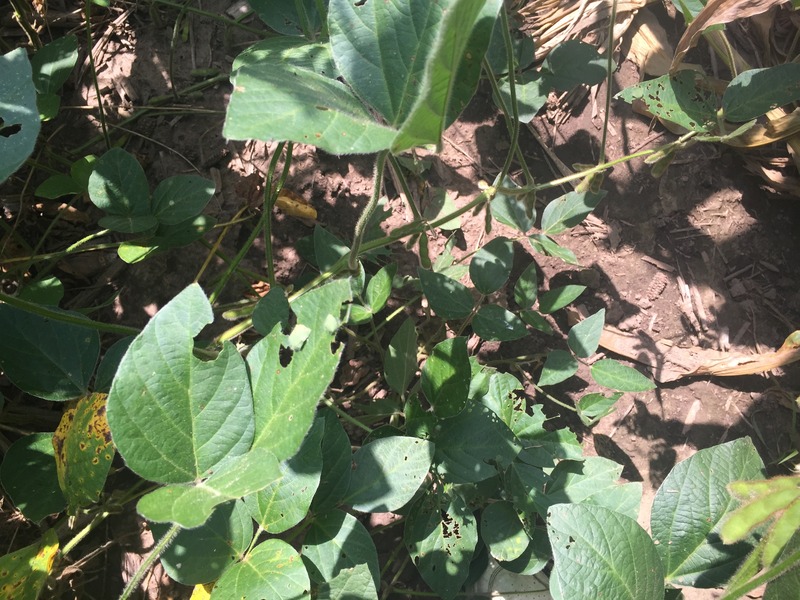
(584,337)
(84,451)
(180,198)
(119,187)
(598,552)
(400,361)
(273,569)
(593,407)
(569,210)
(449,298)
(19,116)
(613,374)
(544,245)
(526,290)
(502,531)
(755,92)
(336,462)
(559,366)
(445,377)
(388,472)
(56,186)
(24,573)
(28,474)
(493,322)
(202,554)
(47,358)
(531,90)
(688,540)
(558,298)
(490,267)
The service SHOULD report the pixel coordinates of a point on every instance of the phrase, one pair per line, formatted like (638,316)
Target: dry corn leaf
(650,49)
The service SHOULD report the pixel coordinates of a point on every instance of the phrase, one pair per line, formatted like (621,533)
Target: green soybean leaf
(272,570)
(336,463)
(181,197)
(535,320)
(286,395)
(441,537)
(380,287)
(755,92)
(569,210)
(439,204)
(493,322)
(557,298)
(349,582)
(531,89)
(119,187)
(400,361)
(490,267)
(289,17)
(387,473)
(48,290)
(449,298)
(328,248)
(544,245)
(56,186)
(24,573)
(53,62)
(29,477)
(526,290)
(336,541)
(601,553)
(202,554)
(517,211)
(445,377)
(110,363)
(688,541)
(502,531)
(286,500)
(174,418)
(615,375)
(572,63)
(301,53)
(19,116)
(559,366)
(47,358)
(272,309)
(593,407)
(166,237)
(789,582)
(584,337)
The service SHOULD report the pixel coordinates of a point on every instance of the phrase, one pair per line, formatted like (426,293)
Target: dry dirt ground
(705,226)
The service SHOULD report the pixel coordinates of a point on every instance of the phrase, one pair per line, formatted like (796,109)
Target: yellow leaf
(202,591)
(23,573)
(294,206)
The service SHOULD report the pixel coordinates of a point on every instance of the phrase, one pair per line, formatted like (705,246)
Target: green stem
(345,416)
(79,537)
(211,15)
(552,399)
(777,570)
(514,116)
(366,215)
(270,197)
(609,79)
(397,169)
(148,562)
(101,111)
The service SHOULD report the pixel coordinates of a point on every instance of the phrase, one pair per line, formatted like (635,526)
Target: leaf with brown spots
(23,573)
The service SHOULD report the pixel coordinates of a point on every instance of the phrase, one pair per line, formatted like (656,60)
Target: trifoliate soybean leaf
(557,298)
(19,115)
(535,320)
(202,554)
(110,363)
(290,17)
(502,531)
(118,186)
(272,570)
(47,358)
(336,462)
(559,366)
(515,210)
(612,374)
(445,377)
(439,204)
(526,290)
(400,361)
(173,417)
(441,537)
(29,477)
(53,62)
(299,52)
(271,310)
(191,505)
(449,298)
(584,337)
(464,457)
(181,197)
(572,63)
(336,540)
(286,500)
(755,92)
(380,287)
(84,451)
(544,245)
(593,407)
(286,395)
(490,267)
(24,573)
(601,553)
(493,322)
(690,507)
(501,396)
(48,290)
(48,105)
(387,473)
(569,210)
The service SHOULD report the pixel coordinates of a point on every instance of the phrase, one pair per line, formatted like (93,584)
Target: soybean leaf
(557,298)
(493,322)
(569,210)
(29,477)
(449,298)
(19,116)
(615,375)
(502,531)
(301,53)
(593,407)
(598,552)
(572,63)
(379,288)
(535,320)
(181,197)
(53,62)
(490,267)
(349,582)
(387,473)
(584,337)
(445,377)
(689,508)
(400,362)
(289,17)
(514,210)
(173,417)
(533,559)
(439,204)
(47,358)
(286,395)
(559,366)
(272,570)
(336,463)
(166,237)
(272,309)
(110,363)
(441,537)
(496,52)
(531,89)
(202,554)
(755,92)
(336,541)
(328,248)
(24,573)
(526,290)
(119,187)
(544,245)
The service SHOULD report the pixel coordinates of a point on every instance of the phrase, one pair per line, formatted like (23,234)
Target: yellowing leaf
(202,591)
(23,573)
